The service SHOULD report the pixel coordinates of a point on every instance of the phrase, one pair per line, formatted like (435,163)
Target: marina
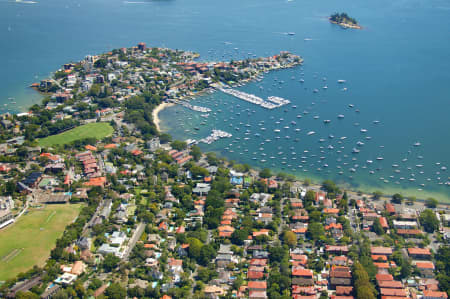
(381,105)
(215,135)
(271,103)
(299,144)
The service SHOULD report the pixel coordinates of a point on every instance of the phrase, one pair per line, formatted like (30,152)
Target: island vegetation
(344,20)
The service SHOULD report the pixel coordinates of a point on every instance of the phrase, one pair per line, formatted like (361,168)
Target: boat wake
(24,2)
(134,2)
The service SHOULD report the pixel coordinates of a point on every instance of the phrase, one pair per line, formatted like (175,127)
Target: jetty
(194,107)
(271,103)
(215,135)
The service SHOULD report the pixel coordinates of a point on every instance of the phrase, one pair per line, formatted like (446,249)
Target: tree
(178,145)
(315,231)
(310,197)
(377,194)
(431,203)
(110,262)
(405,270)
(265,173)
(115,291)
(26,295)
(429,221)
(101,63)
(214,199)
(330,186)
(276,253)
(95,284)
(239,236)
(165,138)
(377,228)
(315,216)
(443,268)
(195,247)
(196,153)
(397,198)
(207,253)
(198,171)
(364,289)
(290,238)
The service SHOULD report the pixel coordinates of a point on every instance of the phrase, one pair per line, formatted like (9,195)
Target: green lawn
(92,130)
(28,242)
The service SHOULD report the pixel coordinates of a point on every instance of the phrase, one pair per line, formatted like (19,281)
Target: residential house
(340,276)
(302,277)
(419,253)
(426,269)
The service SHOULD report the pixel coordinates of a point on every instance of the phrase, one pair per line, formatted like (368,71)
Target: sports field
(29,241)
(92,130)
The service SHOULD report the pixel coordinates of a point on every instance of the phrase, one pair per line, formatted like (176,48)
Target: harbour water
(396,72)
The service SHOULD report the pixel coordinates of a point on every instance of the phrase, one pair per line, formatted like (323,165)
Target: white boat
(341,81)
(311,133)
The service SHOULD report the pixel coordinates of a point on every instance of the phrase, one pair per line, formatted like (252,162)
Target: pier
(193,107)
(271,103)
(215,135)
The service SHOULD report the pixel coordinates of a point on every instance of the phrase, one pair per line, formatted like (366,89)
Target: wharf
(271,103)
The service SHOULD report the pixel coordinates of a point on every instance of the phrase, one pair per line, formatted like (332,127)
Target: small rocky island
(344,20)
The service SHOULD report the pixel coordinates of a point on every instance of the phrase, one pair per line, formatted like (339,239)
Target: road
(136,235)
(97,212)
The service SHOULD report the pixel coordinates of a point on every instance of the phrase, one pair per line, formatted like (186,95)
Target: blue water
(396,69)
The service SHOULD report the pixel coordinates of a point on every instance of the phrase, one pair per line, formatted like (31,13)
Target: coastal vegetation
(344,20)
(91,130)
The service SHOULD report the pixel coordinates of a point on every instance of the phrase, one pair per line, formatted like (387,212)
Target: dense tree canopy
(429,221)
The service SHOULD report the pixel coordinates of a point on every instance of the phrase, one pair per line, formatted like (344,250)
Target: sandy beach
(156,111)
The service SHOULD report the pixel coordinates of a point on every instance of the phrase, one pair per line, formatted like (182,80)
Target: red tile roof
(90,147)
(376,257)
(383,222)
(381,250)
(390,208)
(393,292)
(255,274)
(341,290)
(401,231)
(257,285)
(382,265)
(425,265)
(393,284)
(302,272)
(420,251)
(381,277)
(435,294)
(259,262)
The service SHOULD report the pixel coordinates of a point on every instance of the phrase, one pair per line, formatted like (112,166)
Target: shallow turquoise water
(396,70)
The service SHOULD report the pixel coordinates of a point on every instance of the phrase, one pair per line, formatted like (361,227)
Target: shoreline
(346,25)
(364,189)
(156,111)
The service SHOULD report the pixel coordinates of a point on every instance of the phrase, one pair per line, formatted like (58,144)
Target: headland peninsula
(160,219)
